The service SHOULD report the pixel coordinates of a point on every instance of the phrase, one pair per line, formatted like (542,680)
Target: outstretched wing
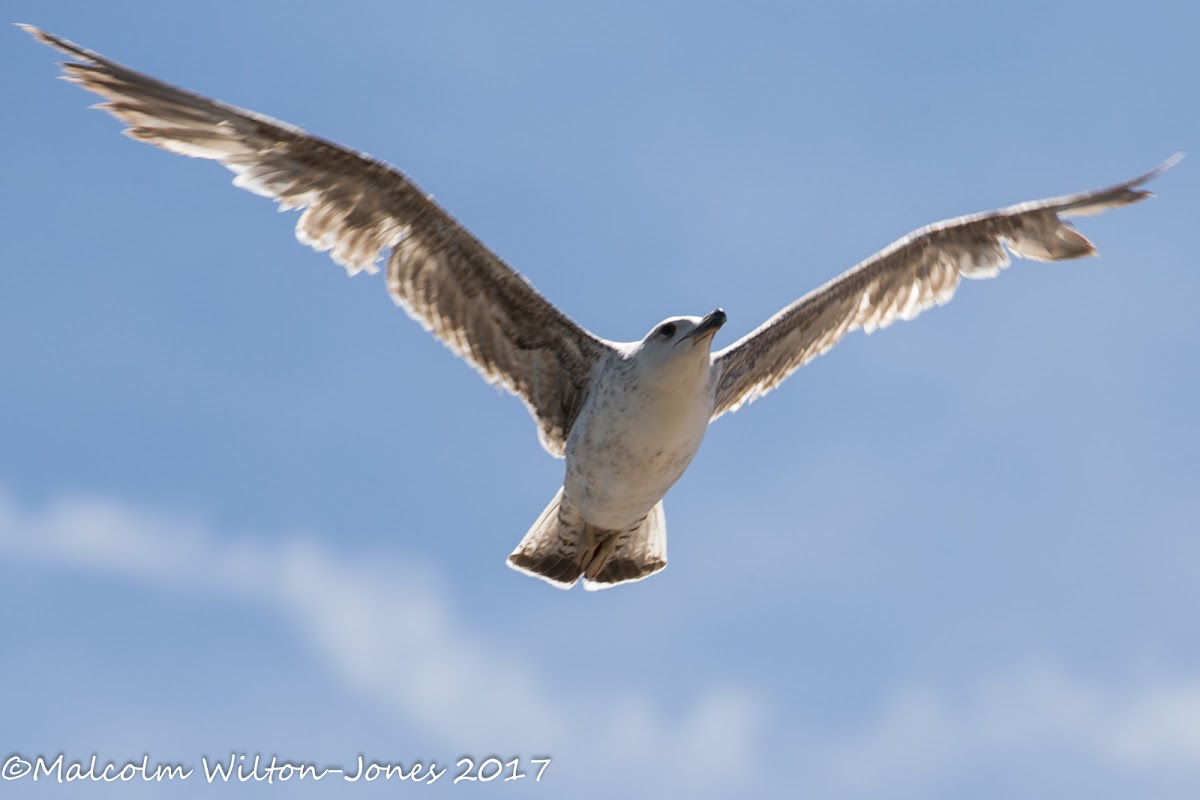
(360,209)
(907,277)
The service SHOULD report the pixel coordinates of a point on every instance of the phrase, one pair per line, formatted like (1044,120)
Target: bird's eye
(667,330)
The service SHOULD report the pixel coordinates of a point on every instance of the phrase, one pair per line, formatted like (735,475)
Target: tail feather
(560,548)
(549,550)
(635,554)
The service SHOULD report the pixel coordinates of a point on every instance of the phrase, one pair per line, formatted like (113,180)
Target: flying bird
(628,417)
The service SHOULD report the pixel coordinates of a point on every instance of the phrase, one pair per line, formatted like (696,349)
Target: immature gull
(628,417)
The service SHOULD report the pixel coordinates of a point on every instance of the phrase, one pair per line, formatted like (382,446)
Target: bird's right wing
(359,208)
(907,277)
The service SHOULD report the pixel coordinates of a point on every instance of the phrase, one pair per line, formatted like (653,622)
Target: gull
(628,417)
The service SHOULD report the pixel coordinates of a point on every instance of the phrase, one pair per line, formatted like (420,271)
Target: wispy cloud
(1023,718)
(389,628)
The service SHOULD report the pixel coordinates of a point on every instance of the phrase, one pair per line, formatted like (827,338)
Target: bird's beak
(708,326)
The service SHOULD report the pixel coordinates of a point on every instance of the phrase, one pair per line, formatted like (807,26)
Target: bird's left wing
(359,208)
(907,277)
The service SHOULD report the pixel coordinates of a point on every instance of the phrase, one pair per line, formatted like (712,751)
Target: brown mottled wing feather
(359,209)
(906,278)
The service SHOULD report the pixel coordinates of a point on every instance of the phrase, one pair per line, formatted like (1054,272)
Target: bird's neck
(679,380)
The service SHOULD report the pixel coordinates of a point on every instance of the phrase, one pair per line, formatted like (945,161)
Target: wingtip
(36,32)
(58,43)
(32,30)
(1137,194)
(1161,168)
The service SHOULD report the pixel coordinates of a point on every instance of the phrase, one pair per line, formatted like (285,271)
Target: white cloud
(389,630)
(1030,716)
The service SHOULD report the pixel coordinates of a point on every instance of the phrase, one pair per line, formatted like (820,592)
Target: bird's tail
(560,548)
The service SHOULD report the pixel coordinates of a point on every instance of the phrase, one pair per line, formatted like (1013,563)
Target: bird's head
(681,340)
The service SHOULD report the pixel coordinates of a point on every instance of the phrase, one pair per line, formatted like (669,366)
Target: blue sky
(247,506)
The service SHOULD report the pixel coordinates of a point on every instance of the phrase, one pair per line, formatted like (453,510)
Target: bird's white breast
(633,439)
